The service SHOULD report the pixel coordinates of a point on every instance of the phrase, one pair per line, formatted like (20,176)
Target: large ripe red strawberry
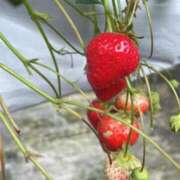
(110,56)
(94,117)
(111,91)
(121,167)
(140,103)
(113,134)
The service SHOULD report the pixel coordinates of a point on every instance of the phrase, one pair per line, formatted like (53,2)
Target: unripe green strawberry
(121,167)
(175,123)
(137,174)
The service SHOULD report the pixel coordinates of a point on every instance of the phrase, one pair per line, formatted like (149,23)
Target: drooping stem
(72,84)
(150,26)
(132,114)
(30,85)
(45,78)
(150,140)
(92,129)
(21,57)
(26,62)
(80,12)
(166,80)
(32,13)
(149,95)
(22,148)
(144,140)
(144,154)
(63,38)
(126,103)
(10,118)
(70,21)
(2,161)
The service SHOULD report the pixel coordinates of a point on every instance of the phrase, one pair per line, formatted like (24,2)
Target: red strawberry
(140,102)
(94,117)
(110,56)
(113,134)
(113,89)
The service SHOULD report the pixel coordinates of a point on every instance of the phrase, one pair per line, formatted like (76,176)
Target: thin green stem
(81,13)
(149,95)
(45,78)
(72,84)
(115,8)
(156,145)
(10,118)
(30,85)
(144,140)
(108,25)
(132,114)
(23,59)
(2,160)
(150,26)
(132,13)
(127,98)
(92,129)
(32,13)
(22,148)
(63,38)
(166,80)
(70,21)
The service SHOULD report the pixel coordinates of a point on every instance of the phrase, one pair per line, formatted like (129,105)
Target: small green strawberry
(137,174)
(122,166)
(175,123)
(155,102)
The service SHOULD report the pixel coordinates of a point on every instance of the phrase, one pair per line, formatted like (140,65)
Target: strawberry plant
(113,60)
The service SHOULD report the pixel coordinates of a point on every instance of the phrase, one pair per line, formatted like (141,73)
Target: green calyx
(175,123)
(137,174)
(155,102)
(128,162)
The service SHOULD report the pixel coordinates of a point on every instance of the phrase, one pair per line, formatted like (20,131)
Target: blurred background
(61,140)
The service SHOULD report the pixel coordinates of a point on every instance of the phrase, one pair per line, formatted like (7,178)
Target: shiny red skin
(140,102)
(110,56)
(111,91)
(94,117)
(114,134)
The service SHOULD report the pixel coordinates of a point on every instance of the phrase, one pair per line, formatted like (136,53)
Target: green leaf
(88,2)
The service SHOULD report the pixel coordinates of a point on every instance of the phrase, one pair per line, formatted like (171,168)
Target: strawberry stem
(32,14)
(22,148)
(2,161)
(149,19)
(144,140)
(149,95)
(166,80)
(161,150)
(9,117)
(132,113)
(107,11)
(30,85)
(70,21)
(76,114)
